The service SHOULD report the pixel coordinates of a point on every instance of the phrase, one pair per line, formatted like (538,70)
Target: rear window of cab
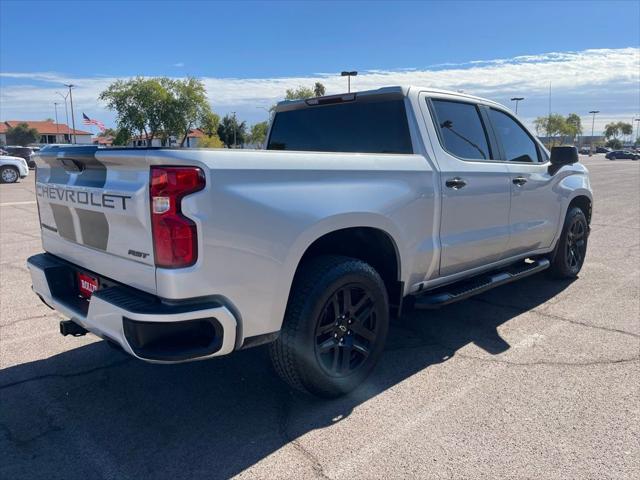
(358,126)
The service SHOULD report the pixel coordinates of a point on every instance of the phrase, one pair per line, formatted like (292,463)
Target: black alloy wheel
(346,331)
(571,249)
(576,244)
(335,326)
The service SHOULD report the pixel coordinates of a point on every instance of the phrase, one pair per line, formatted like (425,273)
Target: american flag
(90,121)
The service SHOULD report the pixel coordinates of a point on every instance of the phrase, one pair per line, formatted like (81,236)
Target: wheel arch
(584,203)
(372,242)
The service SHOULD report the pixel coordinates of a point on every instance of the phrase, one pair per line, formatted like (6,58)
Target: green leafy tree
(159,107)
(300,93)
(122,137)
(552,126)
(258,132)
(319,90)
(614,143)
(229,129)
(140,105)
(573,126)
(209,123)
(614,130)
(210,141)
(108,132)
(22,134)
(186,108)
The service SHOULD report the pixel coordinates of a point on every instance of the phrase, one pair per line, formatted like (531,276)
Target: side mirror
(564,156)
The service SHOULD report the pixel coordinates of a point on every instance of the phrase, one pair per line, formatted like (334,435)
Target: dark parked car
(622,154)
(602,150)
(23,152)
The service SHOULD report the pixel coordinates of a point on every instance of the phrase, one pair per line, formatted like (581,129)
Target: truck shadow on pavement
(93,412)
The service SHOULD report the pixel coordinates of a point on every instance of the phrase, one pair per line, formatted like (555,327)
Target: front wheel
(9,174)
(335,326)
(571,249)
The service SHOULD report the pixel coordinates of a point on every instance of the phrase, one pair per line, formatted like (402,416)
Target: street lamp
(234,129)
(66,111)
(593,122)
(73,118)
(55,106)
(637,131)
(517,99)
(350,74)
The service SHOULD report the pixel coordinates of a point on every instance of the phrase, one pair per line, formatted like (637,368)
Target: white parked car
(12,169)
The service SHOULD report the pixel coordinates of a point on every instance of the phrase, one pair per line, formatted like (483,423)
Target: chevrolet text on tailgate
(360,202)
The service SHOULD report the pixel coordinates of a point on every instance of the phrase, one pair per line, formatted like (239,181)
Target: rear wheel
(572,246)
(9,174)
(335,326)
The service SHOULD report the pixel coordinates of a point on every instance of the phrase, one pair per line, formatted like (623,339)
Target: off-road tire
(565,263)
(313,300)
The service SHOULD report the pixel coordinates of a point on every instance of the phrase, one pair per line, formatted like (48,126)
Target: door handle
(456,183)
(519,181)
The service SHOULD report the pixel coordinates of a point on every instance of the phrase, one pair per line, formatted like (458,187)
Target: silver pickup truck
(361,202)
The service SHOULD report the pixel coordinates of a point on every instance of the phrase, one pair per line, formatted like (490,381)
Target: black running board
(481,283)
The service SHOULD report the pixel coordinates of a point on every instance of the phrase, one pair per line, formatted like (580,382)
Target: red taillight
(175,239)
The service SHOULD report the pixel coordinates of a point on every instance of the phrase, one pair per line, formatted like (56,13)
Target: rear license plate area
(87,284)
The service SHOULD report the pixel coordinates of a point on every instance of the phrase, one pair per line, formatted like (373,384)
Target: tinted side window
(518,146)
(461,129)
(361,126)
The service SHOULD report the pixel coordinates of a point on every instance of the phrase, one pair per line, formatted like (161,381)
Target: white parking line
(10,204)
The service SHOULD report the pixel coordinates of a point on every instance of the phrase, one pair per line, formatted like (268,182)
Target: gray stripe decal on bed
(94,227)
(64,221)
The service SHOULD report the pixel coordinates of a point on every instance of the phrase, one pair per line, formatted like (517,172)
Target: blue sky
(249,52)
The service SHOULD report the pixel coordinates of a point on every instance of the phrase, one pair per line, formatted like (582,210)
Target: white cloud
(178,65)
(605,79)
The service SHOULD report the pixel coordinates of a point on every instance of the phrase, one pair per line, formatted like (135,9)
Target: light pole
(637,131)
(66,111)
(517,99)
(593,122)
(350,74)
(55,106)
(234,129)
(73,118)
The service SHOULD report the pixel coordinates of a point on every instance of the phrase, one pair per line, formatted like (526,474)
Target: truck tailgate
(94,211)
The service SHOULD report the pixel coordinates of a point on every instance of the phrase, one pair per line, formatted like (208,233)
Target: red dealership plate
(87,284)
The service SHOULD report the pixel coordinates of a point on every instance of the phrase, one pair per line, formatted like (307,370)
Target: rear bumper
(145,326)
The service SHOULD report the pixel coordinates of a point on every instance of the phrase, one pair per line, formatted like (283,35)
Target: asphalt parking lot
(537,379)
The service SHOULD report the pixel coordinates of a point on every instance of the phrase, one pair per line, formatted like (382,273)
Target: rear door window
(461,130)
(517,144)
(371,126)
